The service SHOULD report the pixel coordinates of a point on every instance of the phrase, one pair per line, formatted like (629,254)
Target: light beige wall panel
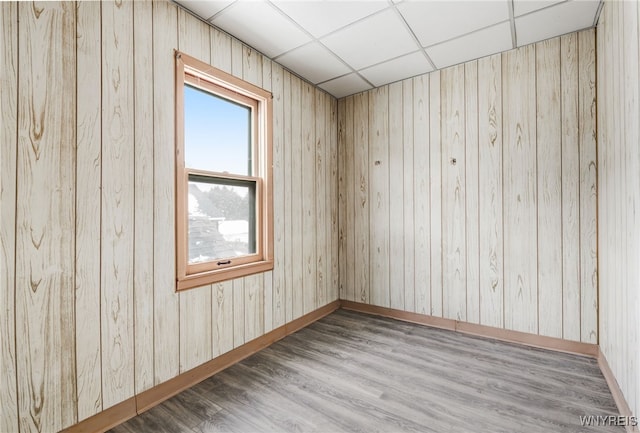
(421,206)
(8,176)
(143,278)
(379,195)
(268,277)
(239,309)
(343,228)
(549,186)
(279,198)
(454,273)
(254,306)
(166,331)
(251,66)
(222,316)
(45,252)
(297,260)
(195,304)
(88,218)
(361,215)
(290,259)
(471,191)
(618,162)
(520,229)
(408,199)
(570,188)
(490,190)
(117,203)
(435,196)
(351,203)
(321,186)
(332,122)
(588,172)
(396,198)
(220,50)
(309,219)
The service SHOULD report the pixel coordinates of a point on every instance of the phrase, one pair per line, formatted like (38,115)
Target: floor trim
(551,343)
(144,401)
(616,392)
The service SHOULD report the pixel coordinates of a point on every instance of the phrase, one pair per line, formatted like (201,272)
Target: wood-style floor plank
(352,372)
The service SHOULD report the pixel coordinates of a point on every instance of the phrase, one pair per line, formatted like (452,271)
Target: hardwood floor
(352,372)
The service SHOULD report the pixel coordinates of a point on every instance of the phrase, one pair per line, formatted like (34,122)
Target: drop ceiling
(347,46)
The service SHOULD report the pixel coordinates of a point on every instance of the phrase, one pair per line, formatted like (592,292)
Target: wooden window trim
(200,75)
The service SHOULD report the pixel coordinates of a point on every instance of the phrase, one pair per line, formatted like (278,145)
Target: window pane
(221,219)
(217,133)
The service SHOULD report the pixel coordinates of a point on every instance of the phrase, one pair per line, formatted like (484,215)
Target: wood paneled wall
(470,193)
(89,315)
(619,193)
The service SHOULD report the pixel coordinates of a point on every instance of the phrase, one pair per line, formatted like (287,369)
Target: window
(224,209)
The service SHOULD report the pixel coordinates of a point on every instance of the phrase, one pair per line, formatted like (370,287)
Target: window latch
(226,262)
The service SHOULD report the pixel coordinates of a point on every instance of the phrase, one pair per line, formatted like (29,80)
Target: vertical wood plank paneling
(570,189)
(88,213)
(254,285)
(549,185)
(520,228)
(268,277)
(279,199)
(143,277)
(422,127)
(408,202)
(379,195)
(166,333)
(289,258)
(297,260)
(490,190)
(396,198)
(44,254)
(117,204)
(361,215)
(588,174)
(618,161)
(351,202)
(8,181)
(309,220)
(343,226)
(143,243)
(321,186)
(471,191)
(220,50)
(222,313)
(254,307)
(435,196)
(332,123)
(195,304)
(454,273)
(238,312)
(222,295)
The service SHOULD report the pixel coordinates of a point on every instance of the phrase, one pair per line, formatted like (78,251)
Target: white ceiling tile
(373,40)
(557,20)
(397,69)
(261,26)
(521,7)
(322,17)
(345,86)
(479,44)
(313,62)
(437,21)
(205,9)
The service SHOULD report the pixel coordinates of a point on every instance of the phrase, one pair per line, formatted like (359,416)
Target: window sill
(219,275)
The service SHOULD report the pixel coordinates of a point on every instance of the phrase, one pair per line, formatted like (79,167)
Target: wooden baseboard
(618,397)
(144,401)
(107,419)
(550,343)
